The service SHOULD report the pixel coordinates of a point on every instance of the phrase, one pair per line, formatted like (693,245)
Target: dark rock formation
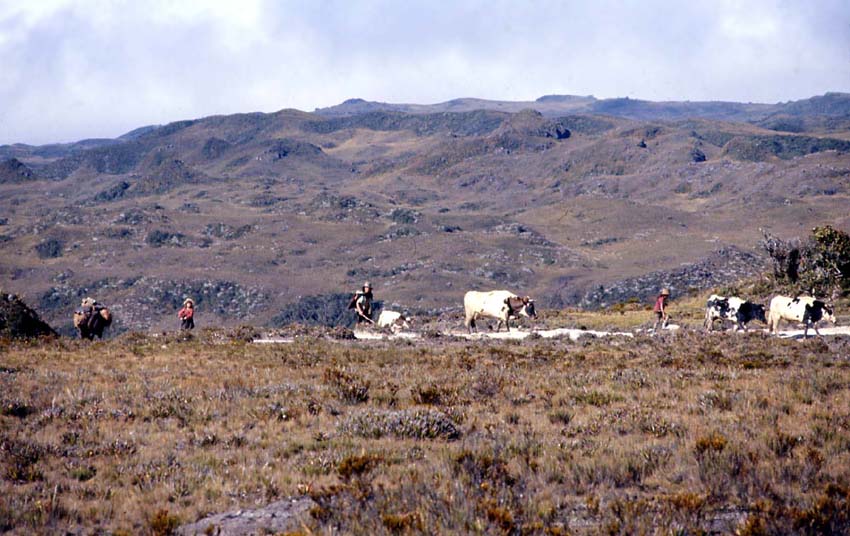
(726,266)
(18,321)
(13,170)
(116,191)
(697,155)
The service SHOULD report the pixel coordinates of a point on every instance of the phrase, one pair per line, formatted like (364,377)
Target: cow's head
(521,306)
(829,313)
(528,308)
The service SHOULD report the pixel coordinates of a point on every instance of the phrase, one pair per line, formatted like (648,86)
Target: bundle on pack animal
(803,309)
(394,320)
(499,304)
(91,319)
(732,308)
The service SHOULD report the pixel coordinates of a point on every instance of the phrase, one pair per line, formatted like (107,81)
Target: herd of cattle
(804,309)
(504,306)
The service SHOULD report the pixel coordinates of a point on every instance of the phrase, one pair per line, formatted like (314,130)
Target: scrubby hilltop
(251,213)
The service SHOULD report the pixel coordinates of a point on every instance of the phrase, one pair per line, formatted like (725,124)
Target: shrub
(431,394)
(346,386)
(50,248)
(321,310)
(163,524)
(159,238)
(398,523)
(413,424)
(714,442)
(355,466)
(595,398)
(83,473)
(560,417)
(820,265)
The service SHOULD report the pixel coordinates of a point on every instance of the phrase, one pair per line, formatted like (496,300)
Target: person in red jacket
(187,314)
(660,309)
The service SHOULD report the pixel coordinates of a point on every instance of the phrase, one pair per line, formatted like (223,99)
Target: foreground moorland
(679,433)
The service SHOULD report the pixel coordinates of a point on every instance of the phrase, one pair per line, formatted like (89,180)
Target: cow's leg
(470,324)
(815,325)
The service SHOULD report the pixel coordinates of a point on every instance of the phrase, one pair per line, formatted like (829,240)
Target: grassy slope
(667,432)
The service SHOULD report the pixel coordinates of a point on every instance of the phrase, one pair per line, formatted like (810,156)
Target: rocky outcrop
(762,148)
(276,518)
(13,170)
(18,321)
(724,267)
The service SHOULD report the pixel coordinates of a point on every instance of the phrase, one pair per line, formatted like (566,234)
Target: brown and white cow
(499,304)
(803,309)
(394,320)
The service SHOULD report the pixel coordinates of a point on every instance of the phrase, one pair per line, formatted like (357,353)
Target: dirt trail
(572,333)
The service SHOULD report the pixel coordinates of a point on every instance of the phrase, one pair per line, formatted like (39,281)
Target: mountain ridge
(252,212)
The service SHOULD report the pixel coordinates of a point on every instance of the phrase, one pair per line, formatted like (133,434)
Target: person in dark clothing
(187,314)
(363,303)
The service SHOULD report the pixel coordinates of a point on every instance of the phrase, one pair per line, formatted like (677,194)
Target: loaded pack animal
(502,305)
(803,309)
(394,320)
(733,308)
(91,318)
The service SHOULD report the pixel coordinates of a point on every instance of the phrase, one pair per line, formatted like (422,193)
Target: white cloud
(100,68)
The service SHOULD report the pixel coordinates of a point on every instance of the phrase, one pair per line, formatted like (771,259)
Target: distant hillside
(830,106)
(573,200)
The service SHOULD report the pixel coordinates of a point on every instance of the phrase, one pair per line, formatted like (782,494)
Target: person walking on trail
(660,309)
(361,302)
(187,314)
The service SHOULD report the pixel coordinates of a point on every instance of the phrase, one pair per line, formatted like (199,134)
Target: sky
(75,69)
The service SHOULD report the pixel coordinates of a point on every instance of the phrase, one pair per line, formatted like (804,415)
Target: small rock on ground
(280,516)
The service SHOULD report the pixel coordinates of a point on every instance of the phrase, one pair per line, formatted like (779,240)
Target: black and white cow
(732,308)
(800,309)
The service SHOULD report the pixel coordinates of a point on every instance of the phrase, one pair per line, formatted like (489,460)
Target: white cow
(800,309)
(499,304)
(393,320)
